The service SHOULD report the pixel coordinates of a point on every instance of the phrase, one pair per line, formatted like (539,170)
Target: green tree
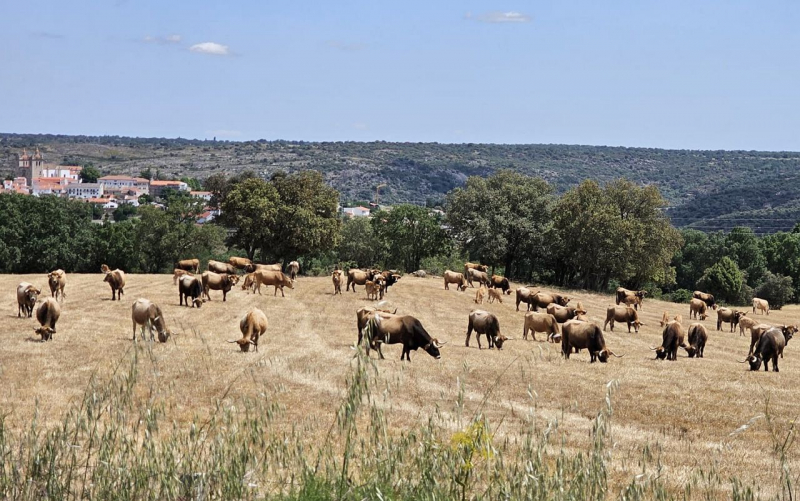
(724,279)
(502,218)
(124,212)
(146,173)
(193,183)
(250,209)
(408,234)
(700,251)
(777,289)
(782,254)
(90,174)
(742,245)
(357,243)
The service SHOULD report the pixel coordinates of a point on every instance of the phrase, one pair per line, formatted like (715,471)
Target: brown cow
(190,286)
(485,323)
(564,313)
(250,268)
(706,298)
(149,315)
(220,267)
(177,273)
(217,282)
(357,277)
(755,334)
(770,345)
(478,276)
(746,322)
(116,279)
(622,314)
(192,265)
(630,298)
(697,337)
(728,315)
(389,328)
(240,263)
(480,294)
(27,295)
(47,314)
(373,290)
(249,282)
(524,295)
(761,305)
(293,269)
(451,277)
(540,322)
(473,266)
(252,325)
(585,335)
(697,307)
(57,280)
(337,277)
(275,278)
(495,295)
(544,299)
(499,282)
(671,339)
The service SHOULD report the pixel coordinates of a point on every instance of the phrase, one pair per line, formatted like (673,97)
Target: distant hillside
(705,189)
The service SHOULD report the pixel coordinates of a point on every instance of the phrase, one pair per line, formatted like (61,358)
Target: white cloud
(500,17)
(212,48)
(169,39)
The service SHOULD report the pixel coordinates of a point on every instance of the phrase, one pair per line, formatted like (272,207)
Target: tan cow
(177,273)
(624,314)
(293,269)
(266,267)
(357,277)
(473,266)
(480,294)
(746,322)
(451,277)
(192,265)
(57,280)
(239,262)
(474,275)
(728,315)
(217,282)
(47,314)
(761,305)
(540,322)
(220,267)
(253,325)
(565,313)
(495,295)
(697,308)
(149,315)
(116,279)
(337,277)
(373,290)
(275,278)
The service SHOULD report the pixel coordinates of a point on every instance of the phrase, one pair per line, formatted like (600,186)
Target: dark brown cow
(116,279)
(499,282)
(770,346)
(564,313)
(585,335)
(389,328)
(47,314)
(671,339)
(697,337)
(706,298)
(630,297)
(474,275)
(483,322)
(190,287)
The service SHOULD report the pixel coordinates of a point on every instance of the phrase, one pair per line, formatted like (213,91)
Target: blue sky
(678,74)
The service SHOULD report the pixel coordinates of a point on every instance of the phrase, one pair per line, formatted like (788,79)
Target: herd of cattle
(558,321)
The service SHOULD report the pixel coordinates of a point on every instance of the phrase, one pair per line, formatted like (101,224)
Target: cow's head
(198,301)
(703,315)
(32,294)
(636,324)
(499,340)
(661,353)
(563,300)
(234,279)
(737,315)
(433,348)
(45,332)
(691,351)
(163,335)
(755,362)
(788,332)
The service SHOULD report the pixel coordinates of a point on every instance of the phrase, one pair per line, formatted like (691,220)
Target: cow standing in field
(481,277)
(217,282)
(706,298)
(27,295)
(357,277)
(540,322)
(220,267)
(579,335)
(389,328)
(293,269)
(770,346)
(115,279)
(565,313)
(451,277)
(47,314)
(495,295)
(483,322)
(149,315)
(727,315)
(177,273)
(624,314)
(761,305)
(671,340)
(57,280)
(253,326)
(499,282)
(192,265)
(480,294)
(337,277)
(274,278)
(697,308)
(191,287)
(630,297)
(240,263)
(697,337)
(540,299)
(472,266)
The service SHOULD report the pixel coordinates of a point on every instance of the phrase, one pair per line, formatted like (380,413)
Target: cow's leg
(19,310)
(775,363)
(134,330)
(525,333)
(469,334)
(224,295)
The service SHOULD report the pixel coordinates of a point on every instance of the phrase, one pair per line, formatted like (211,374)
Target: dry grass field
(687,412)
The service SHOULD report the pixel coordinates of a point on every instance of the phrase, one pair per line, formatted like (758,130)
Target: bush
(437,265)
(680,296)
(777,289)
(724,280)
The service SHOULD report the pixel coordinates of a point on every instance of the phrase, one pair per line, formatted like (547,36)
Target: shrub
(776,289)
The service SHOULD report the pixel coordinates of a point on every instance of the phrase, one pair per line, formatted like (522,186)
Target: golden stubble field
(689,409)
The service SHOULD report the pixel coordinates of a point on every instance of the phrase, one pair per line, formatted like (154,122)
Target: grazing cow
(191,287)
(474,275)
(697,308)
(495,295)
(629,297)
(761,305)
(148,314)
(220,267)
(116,279)
(664,319)
(177,273)
(485,323)
(389,328)
(564,313)
(27,295)
(420,273)
(293,269)
(240,263)
(192,265)
(357,277)
(57,280)
(697,337)
(544,299)
(706,298)
(757,331)
(480,294)
(473,266)
(373,289)
(498,282)
(585,335)
(451,277)
(770,345)
(671,339)
(252,325)
(746,322)
(249,282)
(727,315)
(275,278)
(337,277)
(540,322)
(622,314)
(47,314)
(214,281)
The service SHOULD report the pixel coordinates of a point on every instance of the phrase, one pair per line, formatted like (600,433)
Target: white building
(122,183)
(85,190)
(356,211)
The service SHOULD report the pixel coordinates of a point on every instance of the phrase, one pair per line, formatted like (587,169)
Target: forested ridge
(707,190)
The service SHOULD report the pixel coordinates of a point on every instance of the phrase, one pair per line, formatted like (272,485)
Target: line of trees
(593,236)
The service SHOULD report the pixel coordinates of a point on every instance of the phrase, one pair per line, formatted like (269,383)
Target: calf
(373,290)
(115,279)
(495,295)
(337,277)
(252,325)
(479,294)
(57,280)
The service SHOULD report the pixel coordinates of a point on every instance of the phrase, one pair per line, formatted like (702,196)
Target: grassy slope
(689,408)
